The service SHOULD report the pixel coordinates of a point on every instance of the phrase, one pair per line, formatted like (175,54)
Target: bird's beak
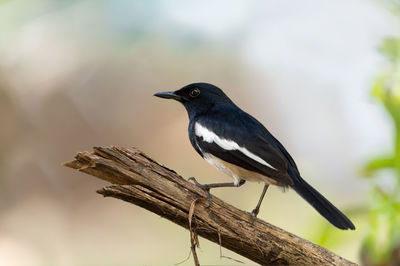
(170,95)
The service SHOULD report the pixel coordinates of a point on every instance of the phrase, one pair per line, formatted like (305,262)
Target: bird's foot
(253,215)
(205,187)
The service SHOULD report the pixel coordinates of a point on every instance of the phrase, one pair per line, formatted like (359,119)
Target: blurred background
(78,74)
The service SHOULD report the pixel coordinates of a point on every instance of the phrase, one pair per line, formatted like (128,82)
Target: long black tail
(321,204)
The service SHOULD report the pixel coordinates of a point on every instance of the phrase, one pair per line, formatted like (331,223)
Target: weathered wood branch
(142,181)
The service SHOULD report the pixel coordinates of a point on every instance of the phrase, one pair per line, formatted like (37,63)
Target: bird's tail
(321,204)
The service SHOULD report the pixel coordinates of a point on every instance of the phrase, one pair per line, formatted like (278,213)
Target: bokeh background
(78,74)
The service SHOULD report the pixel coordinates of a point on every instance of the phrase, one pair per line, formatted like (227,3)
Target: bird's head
(197,97)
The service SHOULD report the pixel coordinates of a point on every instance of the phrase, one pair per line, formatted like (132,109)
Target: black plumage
(236,143)
(246,132)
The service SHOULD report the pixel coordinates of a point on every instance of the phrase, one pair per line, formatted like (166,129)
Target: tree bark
(140,180)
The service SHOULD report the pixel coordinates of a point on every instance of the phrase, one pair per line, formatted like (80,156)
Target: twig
(194,241)
(220,251)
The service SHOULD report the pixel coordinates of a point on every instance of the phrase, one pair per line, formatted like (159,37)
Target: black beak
(170,95)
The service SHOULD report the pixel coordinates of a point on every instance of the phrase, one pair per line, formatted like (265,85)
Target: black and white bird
(237,144)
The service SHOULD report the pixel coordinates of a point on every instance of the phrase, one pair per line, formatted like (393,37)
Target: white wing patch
(210,137)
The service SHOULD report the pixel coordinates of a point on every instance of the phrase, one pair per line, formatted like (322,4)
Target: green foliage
(384,210)
(391,5)
(391,48)
(377,164)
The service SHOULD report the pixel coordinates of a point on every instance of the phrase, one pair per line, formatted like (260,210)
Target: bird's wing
(285,153)
(240,141)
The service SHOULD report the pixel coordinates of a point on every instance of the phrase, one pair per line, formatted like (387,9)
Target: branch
(140,180)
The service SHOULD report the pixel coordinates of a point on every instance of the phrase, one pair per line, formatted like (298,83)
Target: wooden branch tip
(138,179)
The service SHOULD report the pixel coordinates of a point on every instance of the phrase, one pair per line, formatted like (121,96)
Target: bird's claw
(253,215)
(204,187)
(196,183)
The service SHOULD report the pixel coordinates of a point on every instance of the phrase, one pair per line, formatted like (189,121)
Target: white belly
(237,172)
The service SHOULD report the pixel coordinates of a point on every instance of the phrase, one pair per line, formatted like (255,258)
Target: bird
(237,144)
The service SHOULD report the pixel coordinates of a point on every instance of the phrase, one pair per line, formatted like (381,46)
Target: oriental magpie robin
(237,144)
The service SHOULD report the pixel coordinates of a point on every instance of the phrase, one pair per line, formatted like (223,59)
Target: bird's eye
(194,93)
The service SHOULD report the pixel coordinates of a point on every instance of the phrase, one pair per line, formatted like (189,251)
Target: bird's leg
(207,187)
(254,212)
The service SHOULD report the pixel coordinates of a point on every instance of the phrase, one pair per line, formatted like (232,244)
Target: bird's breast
(235,171)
